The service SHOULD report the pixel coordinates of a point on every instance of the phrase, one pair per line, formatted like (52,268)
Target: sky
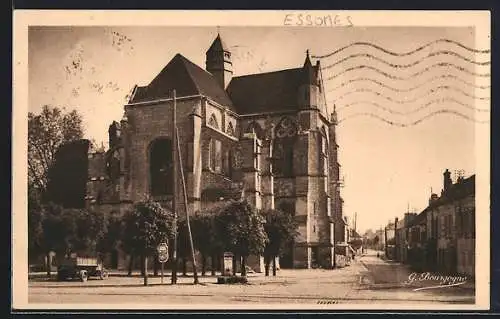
(388,163)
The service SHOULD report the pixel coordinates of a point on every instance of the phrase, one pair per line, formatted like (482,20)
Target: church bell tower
(218,62)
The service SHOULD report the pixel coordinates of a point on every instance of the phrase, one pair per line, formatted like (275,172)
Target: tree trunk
(214,264)
(243,266)
(48,265)
(234,264)
(155,265)
(130,265)
(142,266)
(266,265)
(274,266)
(184,266)
(145,270)
(203,264)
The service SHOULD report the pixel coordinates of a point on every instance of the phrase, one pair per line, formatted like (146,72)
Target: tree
(63,231)
(146,226)
(113,232)
(205,237)
(35,232)
(243,229)
(183,245)
(56,231)
(281,229)
(46,132)
(91,228)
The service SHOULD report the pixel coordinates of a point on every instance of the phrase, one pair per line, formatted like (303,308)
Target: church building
(268,136)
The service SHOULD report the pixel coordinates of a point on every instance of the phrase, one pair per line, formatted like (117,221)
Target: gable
(187,79)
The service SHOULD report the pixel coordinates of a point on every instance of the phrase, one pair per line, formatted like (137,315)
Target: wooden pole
(396,241)
(385,242)
(195,270)
(162,272)
(174,188)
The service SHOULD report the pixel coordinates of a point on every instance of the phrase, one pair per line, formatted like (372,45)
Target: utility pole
(174,187)
(355,222)
(385,242)
(396,241)
(195,271)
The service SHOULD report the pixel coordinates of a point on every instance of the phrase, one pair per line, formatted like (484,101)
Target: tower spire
(307,62)
(333,116)
(218,61)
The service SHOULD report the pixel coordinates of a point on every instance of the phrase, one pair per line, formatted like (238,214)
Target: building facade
(268,136)
(442,237)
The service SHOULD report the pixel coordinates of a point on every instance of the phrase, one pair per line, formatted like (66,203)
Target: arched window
(323,152)
(283,158)
(283,152)
(286,128)
(255,127)
(160,166)
(213,122)
(230,129)
(215,155)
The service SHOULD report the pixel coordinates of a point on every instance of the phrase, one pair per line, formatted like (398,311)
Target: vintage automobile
(77,267)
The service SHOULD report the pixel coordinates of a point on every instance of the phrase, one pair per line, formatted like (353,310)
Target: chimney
(447,180)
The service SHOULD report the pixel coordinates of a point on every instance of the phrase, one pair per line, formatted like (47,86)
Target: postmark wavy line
(393,53)
(418,121)
(404,66)
(380,83)
(405,101)
(418,109)
(395,77)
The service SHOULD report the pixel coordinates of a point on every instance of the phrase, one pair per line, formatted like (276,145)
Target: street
(368,280)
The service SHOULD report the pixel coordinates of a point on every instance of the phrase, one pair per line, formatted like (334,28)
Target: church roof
(187,79)
(264,92)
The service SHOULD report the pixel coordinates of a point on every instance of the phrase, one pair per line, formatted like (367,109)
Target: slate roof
(420,219)
(187,79)
(254,93)
(264,92)
(218,45)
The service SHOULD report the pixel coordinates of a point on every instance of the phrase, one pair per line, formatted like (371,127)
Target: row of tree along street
(233,227)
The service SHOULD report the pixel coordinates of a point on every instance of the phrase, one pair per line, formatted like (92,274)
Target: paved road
(368,280)
(390,280)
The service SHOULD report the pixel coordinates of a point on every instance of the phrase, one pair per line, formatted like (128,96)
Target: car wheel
(103,274)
